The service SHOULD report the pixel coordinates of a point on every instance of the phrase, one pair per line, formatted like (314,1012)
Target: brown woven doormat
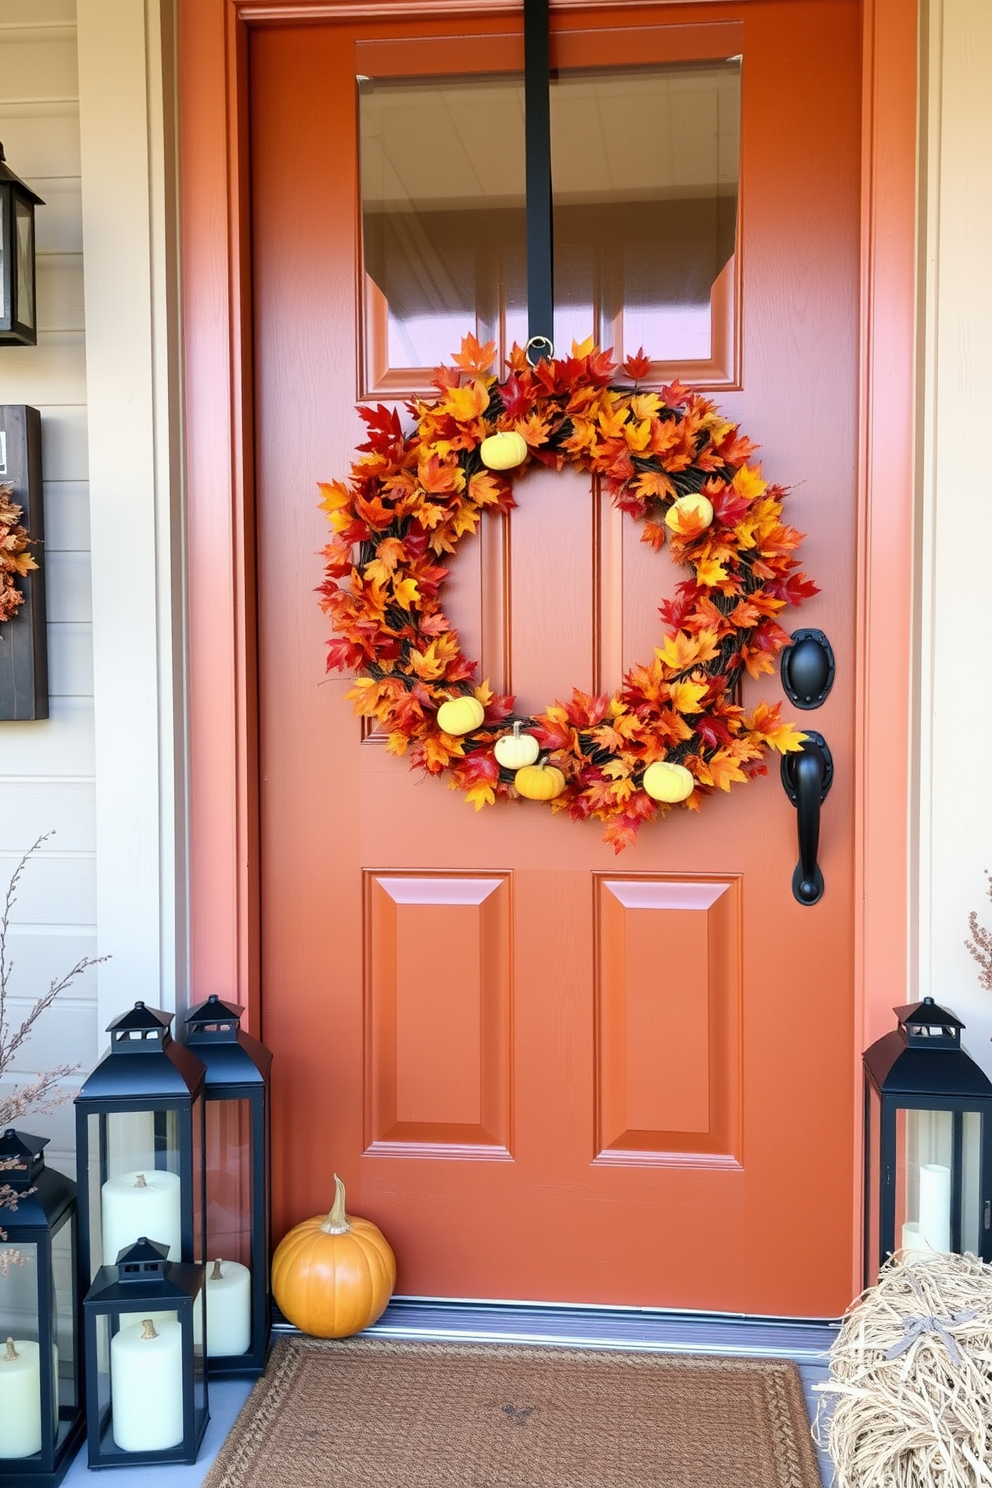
(372,1413)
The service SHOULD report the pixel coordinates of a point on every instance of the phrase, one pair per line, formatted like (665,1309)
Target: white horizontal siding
(47,768)
(61,746)
(67,516)
(26,805)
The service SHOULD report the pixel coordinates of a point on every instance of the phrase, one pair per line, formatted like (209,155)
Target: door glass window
(645,170)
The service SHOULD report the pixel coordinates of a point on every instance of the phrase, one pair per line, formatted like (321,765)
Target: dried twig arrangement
(980,944)
(909,1399)
(43,1092)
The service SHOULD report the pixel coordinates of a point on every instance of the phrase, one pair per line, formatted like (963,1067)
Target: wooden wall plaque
(23,638)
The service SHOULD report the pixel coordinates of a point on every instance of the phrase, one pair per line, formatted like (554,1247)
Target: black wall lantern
(139,1145)
(18,308)
(238,1186)
(146,1382)
(928,1141)
(41,1411)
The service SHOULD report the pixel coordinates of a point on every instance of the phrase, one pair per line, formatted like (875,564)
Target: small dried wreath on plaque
(675,730)
(15,560)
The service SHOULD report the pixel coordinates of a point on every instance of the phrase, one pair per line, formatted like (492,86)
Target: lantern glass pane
(229,1192)
(4,308)
(24,232)
(923,1194)
(64,1321)
(20,1358)
(134,1185)
(873,1117)
(971,1183)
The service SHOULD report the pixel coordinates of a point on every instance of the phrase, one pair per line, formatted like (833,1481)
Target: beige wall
(83,118)
(47,769)
(955,539)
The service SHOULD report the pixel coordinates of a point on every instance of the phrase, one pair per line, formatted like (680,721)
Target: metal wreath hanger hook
(539,349)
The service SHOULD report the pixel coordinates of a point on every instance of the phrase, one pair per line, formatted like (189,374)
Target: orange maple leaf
(474,358)
(465,403)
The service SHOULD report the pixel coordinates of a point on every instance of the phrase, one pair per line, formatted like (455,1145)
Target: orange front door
(546,1071)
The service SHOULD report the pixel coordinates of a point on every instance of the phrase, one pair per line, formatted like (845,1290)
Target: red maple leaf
(383,425)
(637,366)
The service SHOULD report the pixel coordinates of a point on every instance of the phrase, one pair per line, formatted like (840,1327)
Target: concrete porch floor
(806,1343)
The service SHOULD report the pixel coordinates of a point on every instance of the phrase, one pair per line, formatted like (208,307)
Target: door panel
(548,1074)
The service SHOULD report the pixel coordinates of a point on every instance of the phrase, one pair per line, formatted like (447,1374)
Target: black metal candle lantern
(236,1088)
(139,1145)
(146,1380)
(928,1141)
(18,310)
(41,1410)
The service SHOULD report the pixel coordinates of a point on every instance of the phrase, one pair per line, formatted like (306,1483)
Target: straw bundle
(909,1399)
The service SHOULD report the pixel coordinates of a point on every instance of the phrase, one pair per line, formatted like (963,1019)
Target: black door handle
(807,775)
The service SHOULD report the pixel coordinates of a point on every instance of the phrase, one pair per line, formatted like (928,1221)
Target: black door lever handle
(807,775)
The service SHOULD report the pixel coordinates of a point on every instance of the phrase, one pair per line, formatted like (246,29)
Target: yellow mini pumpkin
(460,715)
(667,782)
(333,1274)
(515,750)
(504,450)
(540,782)
(695,505)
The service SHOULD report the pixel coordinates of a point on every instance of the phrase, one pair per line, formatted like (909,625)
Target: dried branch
(44,1091)
(980,944)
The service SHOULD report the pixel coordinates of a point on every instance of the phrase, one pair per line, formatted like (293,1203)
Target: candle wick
(11,1353)
(140,1181)
(216,1274)
(149,1329)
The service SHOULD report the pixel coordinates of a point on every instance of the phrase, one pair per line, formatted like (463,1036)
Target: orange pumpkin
(333,1274)
(540,782)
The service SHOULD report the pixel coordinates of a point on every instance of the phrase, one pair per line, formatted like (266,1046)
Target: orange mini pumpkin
(332,1275)
(540,782)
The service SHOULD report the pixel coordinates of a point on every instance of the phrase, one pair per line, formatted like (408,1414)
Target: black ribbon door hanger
(537,144)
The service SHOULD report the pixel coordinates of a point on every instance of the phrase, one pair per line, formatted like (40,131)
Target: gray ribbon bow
(916,1327)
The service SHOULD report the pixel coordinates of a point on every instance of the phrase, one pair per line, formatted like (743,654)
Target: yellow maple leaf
(681,651)
(466,403)
(710,572)
(439,749)
(748,482)
(688,696)
(784,737)
(406,593)
(334,499)
(481,794)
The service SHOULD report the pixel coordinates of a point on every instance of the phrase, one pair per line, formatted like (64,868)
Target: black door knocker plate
(807,668)
(807,775)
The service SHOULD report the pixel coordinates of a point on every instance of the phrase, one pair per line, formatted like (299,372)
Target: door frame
(217,335)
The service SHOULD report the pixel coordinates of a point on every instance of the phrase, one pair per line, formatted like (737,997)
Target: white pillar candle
(228,1310)
(912,1239)
(136,1204)
(935,1205)
(146,1386)
(20,1398)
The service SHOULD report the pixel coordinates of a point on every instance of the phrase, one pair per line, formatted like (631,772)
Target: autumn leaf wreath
(675,730)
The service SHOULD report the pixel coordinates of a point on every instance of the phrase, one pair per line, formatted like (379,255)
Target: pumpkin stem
(148,1329)
(336,1222)
(11,1353)
(216,1274)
